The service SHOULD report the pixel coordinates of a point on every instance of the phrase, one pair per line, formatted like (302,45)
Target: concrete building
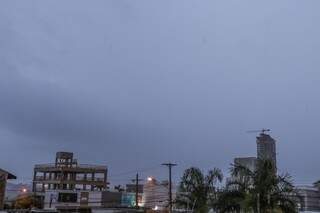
(156,194)
(65,200)
(249,162)
(266,147)
(66,181)
(112,199)
(69,199)
(4,176)
(132,188)
(128,198)
(308,198)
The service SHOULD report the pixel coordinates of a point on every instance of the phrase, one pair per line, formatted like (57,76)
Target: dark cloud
(133,84)
(43,109)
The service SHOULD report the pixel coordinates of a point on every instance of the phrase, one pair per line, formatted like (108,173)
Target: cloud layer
(133,84)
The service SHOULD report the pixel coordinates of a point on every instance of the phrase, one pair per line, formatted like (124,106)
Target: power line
(134,171)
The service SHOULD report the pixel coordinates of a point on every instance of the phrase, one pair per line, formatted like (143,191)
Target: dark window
(67,197)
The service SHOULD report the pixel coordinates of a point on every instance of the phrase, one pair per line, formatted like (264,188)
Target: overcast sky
(133,84)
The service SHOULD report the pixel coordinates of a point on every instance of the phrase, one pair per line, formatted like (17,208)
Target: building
(68,183)
(156,194)
(132,188)
(266,147)
(70,199)
(4,176)
(248,162)
(308,198)
(129,198)
(119,199)
(112,199)
(67,200)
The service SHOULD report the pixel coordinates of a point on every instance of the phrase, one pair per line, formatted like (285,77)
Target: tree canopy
(198,191)
(261,190)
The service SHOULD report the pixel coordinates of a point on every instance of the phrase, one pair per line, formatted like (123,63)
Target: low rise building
(248,162)
(66,183)
(66,199)
(129,198)
(4,176)
(133,187)
(308,198)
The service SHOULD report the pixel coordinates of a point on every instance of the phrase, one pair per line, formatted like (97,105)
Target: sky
(133,84)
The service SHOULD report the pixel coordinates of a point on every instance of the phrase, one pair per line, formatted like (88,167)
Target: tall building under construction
(266,147)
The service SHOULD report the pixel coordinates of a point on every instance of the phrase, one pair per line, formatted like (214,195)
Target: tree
(317,184)
(197,191)
(261,189)
(26,201)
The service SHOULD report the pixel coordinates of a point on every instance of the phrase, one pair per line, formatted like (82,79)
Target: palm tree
(317,184)
(261,190)
(197,191)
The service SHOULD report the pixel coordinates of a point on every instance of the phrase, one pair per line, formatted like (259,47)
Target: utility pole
(170,165)
(137,189)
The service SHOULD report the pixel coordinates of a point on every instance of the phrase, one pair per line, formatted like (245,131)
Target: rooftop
(10,176)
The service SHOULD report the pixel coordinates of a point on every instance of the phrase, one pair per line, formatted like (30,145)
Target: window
(67,197)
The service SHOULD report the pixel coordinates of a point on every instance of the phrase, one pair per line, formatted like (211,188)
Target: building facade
(248,162)
(266,148)
(4,176)
(308,198)
(66,176)
(156,194)
(65,199)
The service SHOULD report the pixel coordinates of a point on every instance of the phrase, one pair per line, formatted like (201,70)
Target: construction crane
(262,131)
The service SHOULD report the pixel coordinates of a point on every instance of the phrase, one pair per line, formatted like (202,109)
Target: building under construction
(67,175)
(266,147)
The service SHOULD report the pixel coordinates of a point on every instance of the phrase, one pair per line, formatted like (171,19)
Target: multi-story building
(66,181)
(156,194)
(266,147)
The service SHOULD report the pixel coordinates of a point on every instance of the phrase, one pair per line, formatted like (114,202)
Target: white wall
(94,198)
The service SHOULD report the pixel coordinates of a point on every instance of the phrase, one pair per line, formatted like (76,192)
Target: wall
(3,181)
(94,199)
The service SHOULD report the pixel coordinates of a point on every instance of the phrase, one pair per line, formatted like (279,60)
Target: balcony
(39,178)
(59,179)
(75,166)
(90,179)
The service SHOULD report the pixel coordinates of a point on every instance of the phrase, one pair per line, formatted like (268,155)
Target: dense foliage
(198,191)
(26,201)
(261,190)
